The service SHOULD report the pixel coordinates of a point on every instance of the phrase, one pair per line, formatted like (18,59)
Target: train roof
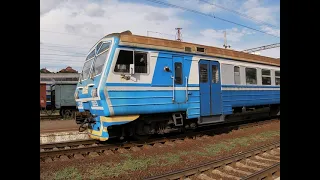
(128,39)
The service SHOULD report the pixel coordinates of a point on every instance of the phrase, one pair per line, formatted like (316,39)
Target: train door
(179,91)
(204,74)
(216,104)
(210,88)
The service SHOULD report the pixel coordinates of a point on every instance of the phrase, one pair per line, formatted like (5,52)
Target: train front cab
(88,95)
(90,91)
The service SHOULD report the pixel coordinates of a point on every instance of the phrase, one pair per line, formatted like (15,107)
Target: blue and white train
(137,86)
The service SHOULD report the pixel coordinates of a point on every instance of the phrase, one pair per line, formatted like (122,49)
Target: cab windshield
(95,60)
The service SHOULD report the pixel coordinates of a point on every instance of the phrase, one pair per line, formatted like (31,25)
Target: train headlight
(76,95)
(94,92)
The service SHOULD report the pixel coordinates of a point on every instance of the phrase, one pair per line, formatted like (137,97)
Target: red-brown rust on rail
(265,173)
(67,144)
(101,148)
(224,162)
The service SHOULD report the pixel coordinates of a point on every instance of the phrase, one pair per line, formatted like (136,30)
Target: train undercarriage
(165,123)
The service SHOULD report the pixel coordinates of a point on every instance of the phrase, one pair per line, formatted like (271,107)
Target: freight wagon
(62,98)
(42,96)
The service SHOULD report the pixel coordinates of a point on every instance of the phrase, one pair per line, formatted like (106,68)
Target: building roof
(68,70)
(44,70)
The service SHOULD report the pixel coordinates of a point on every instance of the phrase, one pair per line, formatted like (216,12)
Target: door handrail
(172,88)
(186,89)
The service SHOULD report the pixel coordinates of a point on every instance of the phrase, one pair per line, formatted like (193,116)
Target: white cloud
(250,10)
(84,28)
(206,6)
(275,52)
(233,35)
(91,21)
(94,9)
(249,4)
(118,17)
(260,12)
(253,8)
(156,16)
(270,30)
(47,5)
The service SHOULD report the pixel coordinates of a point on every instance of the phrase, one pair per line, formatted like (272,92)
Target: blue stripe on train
(248,98)
(142,102)
(249,86)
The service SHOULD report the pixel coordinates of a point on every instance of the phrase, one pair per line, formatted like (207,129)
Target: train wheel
(61,112)
(141,137)
(67,114)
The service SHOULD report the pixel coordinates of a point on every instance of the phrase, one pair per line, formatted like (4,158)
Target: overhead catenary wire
(209,15)
(63,51)
(69,34)
(63,46)
(160,33)
(265,47)
(61,55)
(239,13)
(76,58)
(67,60)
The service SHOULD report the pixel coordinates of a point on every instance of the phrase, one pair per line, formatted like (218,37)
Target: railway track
(91,148)
(259,163)
(67,145)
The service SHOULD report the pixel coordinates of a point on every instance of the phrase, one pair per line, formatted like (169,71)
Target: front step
(177,119)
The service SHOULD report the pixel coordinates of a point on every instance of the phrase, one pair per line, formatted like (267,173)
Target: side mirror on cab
(131,69)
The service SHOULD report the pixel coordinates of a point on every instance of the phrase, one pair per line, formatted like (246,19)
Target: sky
(69,28)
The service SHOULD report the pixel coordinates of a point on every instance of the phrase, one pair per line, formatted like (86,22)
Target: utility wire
(68,34)
(64,51)
(61,55)
(241,14)
(160,33)
(49,58)
(209,15)
(63,46)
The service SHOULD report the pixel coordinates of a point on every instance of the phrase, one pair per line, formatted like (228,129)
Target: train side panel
(157,92)
(237,91)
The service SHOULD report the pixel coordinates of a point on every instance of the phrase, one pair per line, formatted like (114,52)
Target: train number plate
(94,103)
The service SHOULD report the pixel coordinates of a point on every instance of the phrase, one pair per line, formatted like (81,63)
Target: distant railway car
(62,97)
(42,96)
(138,86)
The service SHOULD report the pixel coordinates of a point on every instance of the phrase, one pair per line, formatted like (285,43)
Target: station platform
(60,131)
(58,126)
